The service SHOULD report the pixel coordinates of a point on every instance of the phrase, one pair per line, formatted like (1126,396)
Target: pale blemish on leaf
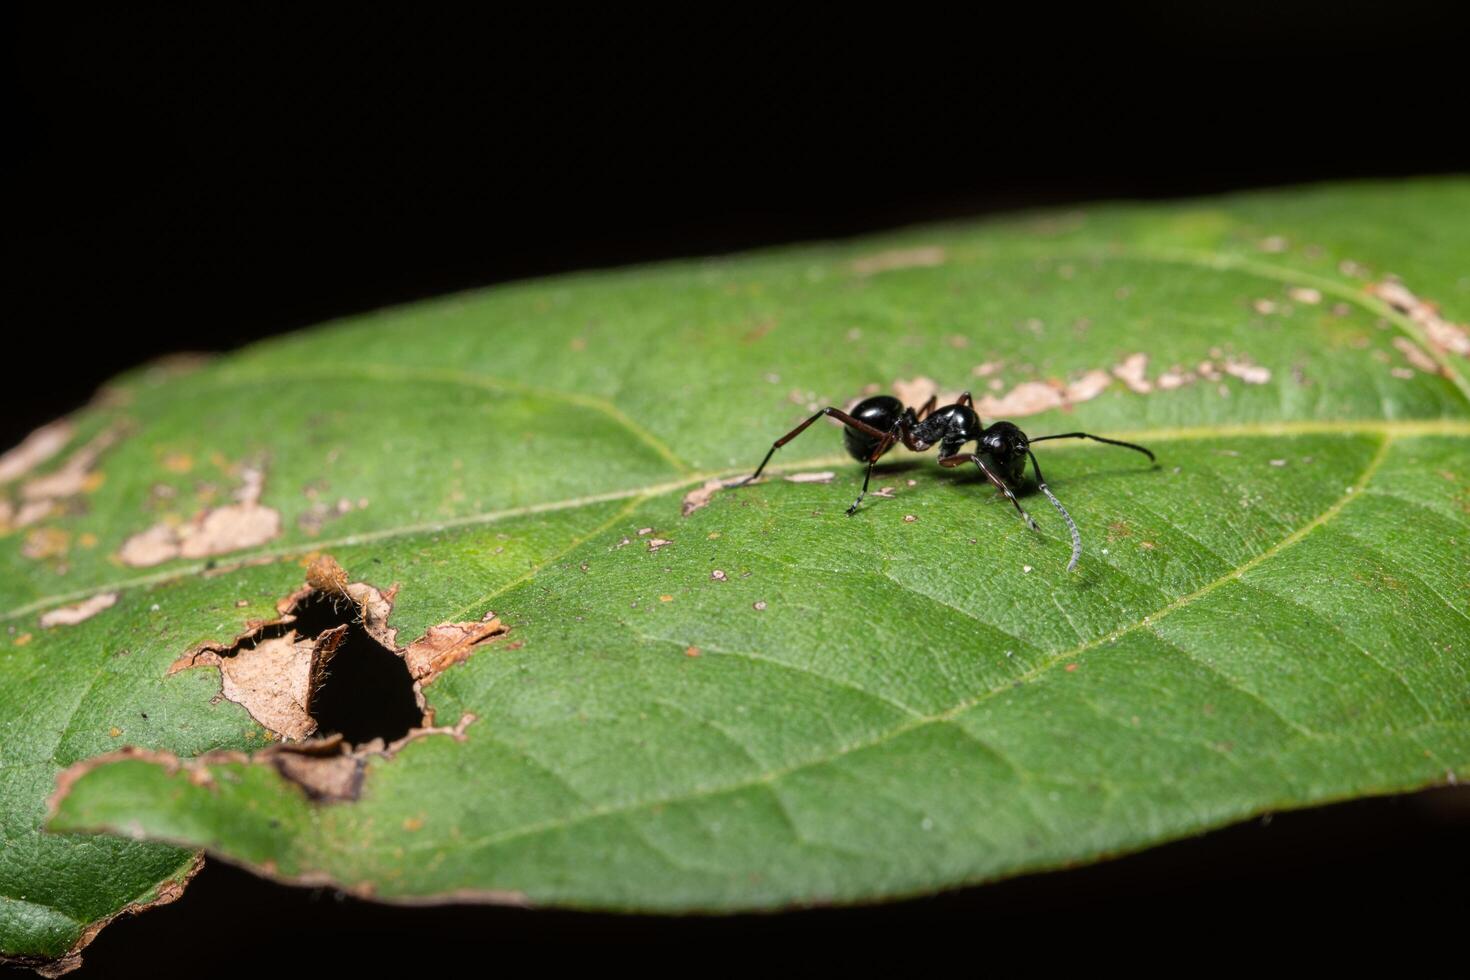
(246,523)
(824,476)
(1443,335)
(1416,356)
(1133,372)
(315,517)
(34,450)
(84,610)
(914,392)
(700,496)
(42,496)
(76,474)
(1251,374)
(925,256)
(46,542)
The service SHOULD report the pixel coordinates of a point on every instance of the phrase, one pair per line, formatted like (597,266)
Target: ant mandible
(879,423)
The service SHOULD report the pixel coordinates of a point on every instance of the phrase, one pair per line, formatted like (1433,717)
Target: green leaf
(766,702)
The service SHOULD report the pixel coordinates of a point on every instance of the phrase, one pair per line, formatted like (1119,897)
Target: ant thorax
(952,425)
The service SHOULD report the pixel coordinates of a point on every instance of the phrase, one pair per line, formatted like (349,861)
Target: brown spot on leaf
(1443,335)
(46,542)
(823,477)
(924,256)
(1132,372)
(1031,397)
(34,450)
(1027,398)
(914,392)
(316,516)
(1251,374)
(86,609)
(244,524)
(1087,387)
(75,474)
(151,547)
(1415,355)
(700,496)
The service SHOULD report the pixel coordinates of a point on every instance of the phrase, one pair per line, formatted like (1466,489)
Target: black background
(197,179)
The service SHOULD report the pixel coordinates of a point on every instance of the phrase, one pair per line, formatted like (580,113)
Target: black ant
(879,423)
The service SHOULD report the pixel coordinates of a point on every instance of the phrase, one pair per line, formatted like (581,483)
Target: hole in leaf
(366,691)
(322,674)
(329,675)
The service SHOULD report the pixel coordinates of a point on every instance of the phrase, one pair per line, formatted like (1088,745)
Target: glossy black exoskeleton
(879,423)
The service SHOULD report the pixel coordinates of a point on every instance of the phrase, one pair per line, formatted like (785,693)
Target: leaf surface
(766,702)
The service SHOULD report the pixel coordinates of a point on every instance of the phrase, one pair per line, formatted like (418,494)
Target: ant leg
(1071,526)
(927,407)
(836,413)
(965,399)
(1088,435)
(883,447)
(994,478)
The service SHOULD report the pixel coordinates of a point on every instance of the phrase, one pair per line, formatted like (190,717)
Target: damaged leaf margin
(324,771)
(274,679)
(166,892)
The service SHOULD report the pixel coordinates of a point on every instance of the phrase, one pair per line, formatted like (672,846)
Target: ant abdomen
(879,411)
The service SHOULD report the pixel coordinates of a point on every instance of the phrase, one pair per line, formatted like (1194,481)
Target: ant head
(1004,440)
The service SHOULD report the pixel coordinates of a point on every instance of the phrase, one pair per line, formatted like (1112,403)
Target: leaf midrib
(1396,429)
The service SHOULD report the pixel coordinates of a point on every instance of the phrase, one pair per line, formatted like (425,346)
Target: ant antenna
(1071,525)
(1089,435)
